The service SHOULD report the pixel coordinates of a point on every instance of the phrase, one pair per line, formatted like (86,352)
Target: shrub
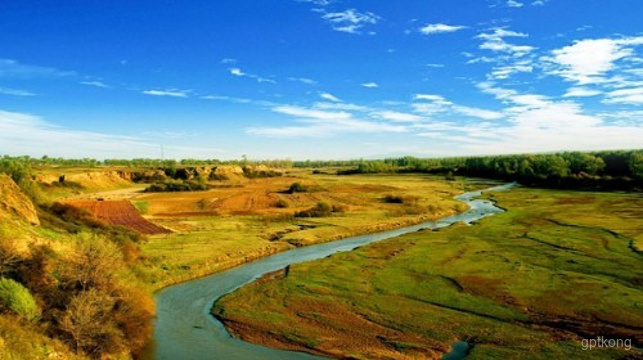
(17,298)
(87,321)
(394,199)
(177,186)
(19,170)
(297,188)
(67,185)
(94,263)
(339,208)
(100,322)
(399,199)
(282,204)
(10,256)
(252,174)
(71,218)
(320,210)
(220,177)
(133,315)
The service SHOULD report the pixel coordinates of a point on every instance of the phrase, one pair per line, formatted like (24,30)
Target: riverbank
(516,285)
(185,329)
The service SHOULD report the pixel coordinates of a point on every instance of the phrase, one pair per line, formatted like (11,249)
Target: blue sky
(319,79)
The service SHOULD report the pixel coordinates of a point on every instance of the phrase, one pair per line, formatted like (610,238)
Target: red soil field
(122,213)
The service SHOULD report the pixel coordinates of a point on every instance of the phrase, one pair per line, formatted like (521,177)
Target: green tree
(636,164)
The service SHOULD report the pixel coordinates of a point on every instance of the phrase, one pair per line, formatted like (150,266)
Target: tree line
(621,169)
(609,169)
(142,162)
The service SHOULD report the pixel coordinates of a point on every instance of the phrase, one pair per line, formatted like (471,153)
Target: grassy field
(229,225)
(530,283)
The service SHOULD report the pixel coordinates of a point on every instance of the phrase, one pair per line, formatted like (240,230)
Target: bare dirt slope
(120,213)
(14,204)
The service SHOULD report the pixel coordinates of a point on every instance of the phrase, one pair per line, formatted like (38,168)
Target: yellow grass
(224,227)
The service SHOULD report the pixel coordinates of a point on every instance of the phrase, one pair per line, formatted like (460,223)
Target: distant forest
(609,170)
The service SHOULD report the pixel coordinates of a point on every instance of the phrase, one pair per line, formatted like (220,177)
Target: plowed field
(121,213)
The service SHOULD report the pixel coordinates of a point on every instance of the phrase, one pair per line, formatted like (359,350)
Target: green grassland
(529,283)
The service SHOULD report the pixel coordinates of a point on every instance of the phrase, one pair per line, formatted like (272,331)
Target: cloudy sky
(319,79)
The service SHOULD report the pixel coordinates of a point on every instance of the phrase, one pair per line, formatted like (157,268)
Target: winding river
(184,328)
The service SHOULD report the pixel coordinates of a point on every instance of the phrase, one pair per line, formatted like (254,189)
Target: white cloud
(435,65)
(588,61)
(499,93)
(478,113)
(229,61)
(508,59)
(439,28)
(227,98)
(240,73)
(397,116)
(536,124)
(431,105)
(317,2)
(495,41)
(431,97)
(329,97)
(512,97)
(557,126)
(505,71)
(310,113)
(581,92)
(340,106)
(317,123)
(13,68)
(25,134)
(99,84)
(370,85)
(237,72)
(350,21)
(318,129)
(632,96)
(15,92)
(302,80)
(514,4)
(171,93)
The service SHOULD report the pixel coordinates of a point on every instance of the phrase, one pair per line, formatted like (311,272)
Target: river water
(185,329)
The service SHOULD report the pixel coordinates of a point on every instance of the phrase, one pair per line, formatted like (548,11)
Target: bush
(177,186)
(394,199)
(10,256)
(322,209)
(339,208)
(252,174)
(220,177)
(17,298)
(19,170)
(88,322)
(399,199)
(74,219)
(100,322)
(94,263)
(282,204)
(297,188)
